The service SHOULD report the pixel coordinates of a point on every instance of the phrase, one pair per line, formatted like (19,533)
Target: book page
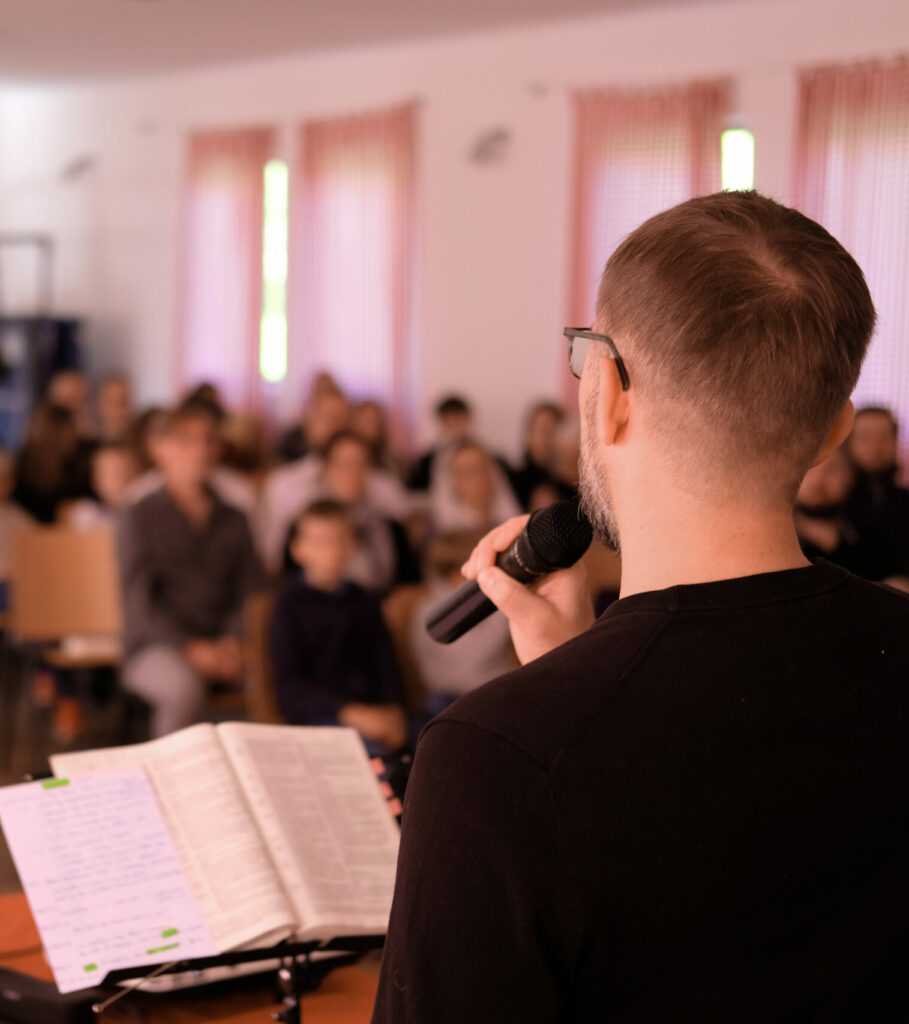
(228,866)
(329,830)
(102,876)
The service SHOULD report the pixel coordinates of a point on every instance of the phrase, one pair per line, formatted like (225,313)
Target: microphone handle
(468,605)
(459,612)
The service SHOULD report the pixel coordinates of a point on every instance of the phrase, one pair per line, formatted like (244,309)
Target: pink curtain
(636,152)
(352,256)
(851,173)
(220,281)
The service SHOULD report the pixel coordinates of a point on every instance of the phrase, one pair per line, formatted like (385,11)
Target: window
(636,153)
(738,159)
(273,330)
(851,169)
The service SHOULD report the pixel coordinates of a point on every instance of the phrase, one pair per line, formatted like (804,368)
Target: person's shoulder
(542,706)
(149,504)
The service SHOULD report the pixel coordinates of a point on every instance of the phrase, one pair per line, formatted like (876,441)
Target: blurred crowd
(333,517)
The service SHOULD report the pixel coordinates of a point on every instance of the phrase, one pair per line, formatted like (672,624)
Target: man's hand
(542,616)
(384,723)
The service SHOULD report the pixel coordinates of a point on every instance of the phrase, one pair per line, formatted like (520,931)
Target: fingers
(496,541)
(517,602)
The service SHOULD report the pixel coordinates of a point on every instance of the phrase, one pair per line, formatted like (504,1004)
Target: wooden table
(346,996)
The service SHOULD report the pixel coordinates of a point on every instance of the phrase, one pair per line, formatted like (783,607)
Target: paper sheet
(101,875)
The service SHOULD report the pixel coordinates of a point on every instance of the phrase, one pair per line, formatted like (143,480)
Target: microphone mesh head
(559,534)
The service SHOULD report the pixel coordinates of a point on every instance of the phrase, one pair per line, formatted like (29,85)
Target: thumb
(512,598)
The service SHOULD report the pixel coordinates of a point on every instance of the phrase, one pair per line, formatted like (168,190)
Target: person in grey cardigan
(187,563)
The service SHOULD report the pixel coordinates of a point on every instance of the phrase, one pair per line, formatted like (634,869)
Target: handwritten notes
(101,875)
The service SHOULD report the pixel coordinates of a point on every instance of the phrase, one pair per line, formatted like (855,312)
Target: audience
(114,409)
(188,564)
(114,468)
(454,421)
(48,469)
(877,505)
(332,655)
(538,466)
(340,519)
(447,671)
(470,492)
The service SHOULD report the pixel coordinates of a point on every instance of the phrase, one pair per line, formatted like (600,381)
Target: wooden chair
(398,609)
(258,681)
(65,609)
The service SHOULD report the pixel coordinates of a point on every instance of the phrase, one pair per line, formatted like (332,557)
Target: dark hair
(879,410)
(745,325)
(447,552)
(452,405)
(324,508)
(340,438)
(189,409)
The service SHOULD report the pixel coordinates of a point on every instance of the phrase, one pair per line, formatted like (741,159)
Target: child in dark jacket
(333,658)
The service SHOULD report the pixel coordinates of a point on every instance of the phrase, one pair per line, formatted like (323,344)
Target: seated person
(114,408)
(447,671)
(454,420)
(344,473)
(471,492)
(114,467)
(232,487)
(538,464)
(827,530)
(332,654)
(877,503)
(48,467)
(188,564)
(326,412)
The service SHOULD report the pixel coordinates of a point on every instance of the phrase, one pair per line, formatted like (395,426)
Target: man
(693,809)
(188,563)
(877,505)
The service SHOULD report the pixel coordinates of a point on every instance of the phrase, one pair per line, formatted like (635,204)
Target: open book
(281,830)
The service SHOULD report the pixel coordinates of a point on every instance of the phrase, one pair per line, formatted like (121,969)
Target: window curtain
(851,174)
(220,280)
(352,256)
(636,152)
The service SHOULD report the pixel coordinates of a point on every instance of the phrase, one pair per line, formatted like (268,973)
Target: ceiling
(97,39)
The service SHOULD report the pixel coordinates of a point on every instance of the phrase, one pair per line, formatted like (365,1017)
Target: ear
(841,429)
(613,408)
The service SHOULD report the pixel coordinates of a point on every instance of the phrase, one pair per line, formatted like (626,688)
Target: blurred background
(282,287)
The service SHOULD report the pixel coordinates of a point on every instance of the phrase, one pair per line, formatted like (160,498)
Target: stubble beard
(593,488)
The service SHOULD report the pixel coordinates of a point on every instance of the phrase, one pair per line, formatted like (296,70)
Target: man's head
(455,418)
(874,441)
(186,450)
(322,543)
(472,476)
(348,459)
(69,390)
(743,325)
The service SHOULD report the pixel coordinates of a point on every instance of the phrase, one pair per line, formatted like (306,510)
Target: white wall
(494,239)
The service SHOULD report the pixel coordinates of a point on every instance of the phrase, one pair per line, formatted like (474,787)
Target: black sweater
(696,811)
(329,650)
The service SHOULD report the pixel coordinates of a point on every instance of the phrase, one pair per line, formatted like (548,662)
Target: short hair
(879,410)
(452,405)
(342,436)
(187,410)
(743,325)
(326,509)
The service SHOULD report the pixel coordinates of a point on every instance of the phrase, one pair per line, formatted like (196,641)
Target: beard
(596,497)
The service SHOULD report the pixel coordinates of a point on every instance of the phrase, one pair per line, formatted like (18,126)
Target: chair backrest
(398,609)
(258,681)
(64,582)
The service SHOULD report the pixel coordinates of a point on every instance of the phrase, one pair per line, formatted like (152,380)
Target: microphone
(555,537)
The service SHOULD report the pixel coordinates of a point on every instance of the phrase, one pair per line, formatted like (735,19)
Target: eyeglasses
(579,341)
